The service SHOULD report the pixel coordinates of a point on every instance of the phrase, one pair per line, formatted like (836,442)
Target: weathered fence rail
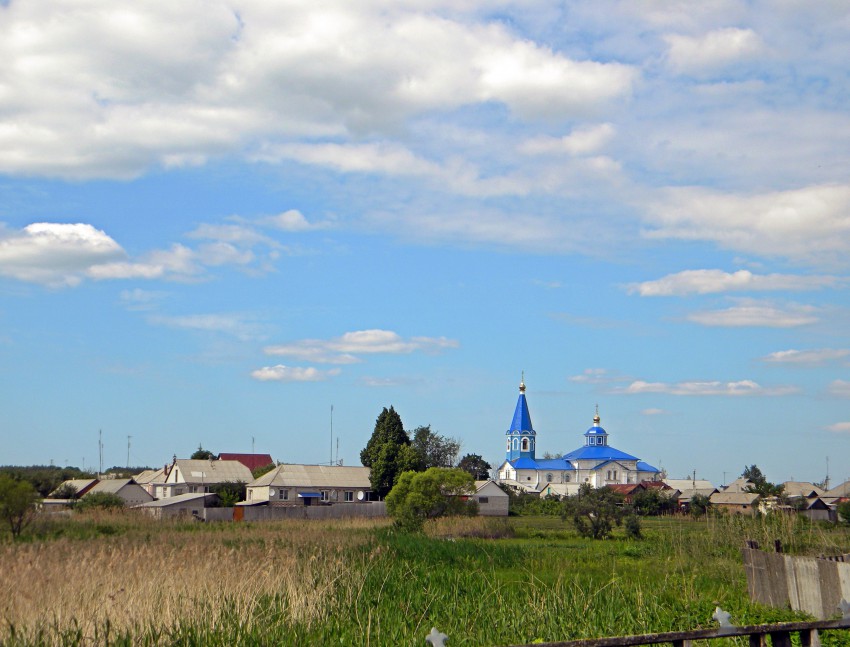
(780,635)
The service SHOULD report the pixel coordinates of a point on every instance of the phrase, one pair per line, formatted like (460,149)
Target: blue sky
(218,220)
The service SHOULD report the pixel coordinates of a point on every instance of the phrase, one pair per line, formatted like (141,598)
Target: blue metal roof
(554,464)
(522,418)
(646,467)
(309,495)
(525,463)
(596,430)
(599,453)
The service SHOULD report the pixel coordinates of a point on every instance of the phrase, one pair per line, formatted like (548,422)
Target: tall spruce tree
(388,452)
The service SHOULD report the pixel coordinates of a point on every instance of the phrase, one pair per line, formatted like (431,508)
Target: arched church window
(525,444)
(609,475)
(509,444)
(566,478)
(549,478)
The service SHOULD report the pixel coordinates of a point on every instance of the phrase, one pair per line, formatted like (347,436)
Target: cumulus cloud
(752,313)
(713,388)
(281,373)
(100,90)
(714,281)
(291,220)
(713,50)
(55,254)
(345,349)
(814,357)
(840,388)
(597,376)
(240,326)
(811,224)
(582,141)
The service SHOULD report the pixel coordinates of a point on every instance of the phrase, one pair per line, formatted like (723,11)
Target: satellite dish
(361,495)
(271,491)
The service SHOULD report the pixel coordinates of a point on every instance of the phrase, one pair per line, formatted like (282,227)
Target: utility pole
(332,436)
(252,445)
(128,450)
(100,450)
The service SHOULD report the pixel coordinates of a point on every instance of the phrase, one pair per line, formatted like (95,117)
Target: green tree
(64,491)
(388,452)
(475,465)
(594,511)
(760,484)
(436,492)
(17,503)
(843,510)
(257,472)
(202,454)
(653,502)
(229,493)
(699,505)
(432,449)
(100,501)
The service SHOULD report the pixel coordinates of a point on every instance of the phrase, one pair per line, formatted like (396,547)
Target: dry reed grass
(480,527)
(155,575)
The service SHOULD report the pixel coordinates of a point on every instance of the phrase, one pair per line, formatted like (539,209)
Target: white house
(289,484)
(596,462)
(186,476)
(492,500)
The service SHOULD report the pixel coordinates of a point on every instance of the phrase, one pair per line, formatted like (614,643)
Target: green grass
(543,584)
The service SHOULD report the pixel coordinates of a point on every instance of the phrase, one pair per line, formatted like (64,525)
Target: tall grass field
(124,580)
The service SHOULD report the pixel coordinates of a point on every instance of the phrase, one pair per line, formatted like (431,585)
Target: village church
(596,462)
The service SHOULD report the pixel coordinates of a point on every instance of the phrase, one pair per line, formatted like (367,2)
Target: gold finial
(596,418)
(522,383)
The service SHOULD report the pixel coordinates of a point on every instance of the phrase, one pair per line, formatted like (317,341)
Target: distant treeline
(46,478)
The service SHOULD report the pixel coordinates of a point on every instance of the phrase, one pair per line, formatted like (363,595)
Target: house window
(483,499)
(549,478)
(250,494)
(325,496)
(283,495)
(349,496)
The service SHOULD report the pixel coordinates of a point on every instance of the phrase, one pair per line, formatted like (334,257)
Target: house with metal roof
(251,461)
(187,476)
(596,462)
(289,484)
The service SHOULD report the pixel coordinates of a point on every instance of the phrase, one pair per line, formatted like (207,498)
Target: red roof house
(251,461)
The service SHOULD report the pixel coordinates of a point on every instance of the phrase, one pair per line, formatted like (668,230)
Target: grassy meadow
(123,580)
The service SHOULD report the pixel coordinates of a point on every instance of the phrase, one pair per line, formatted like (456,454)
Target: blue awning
(310,495)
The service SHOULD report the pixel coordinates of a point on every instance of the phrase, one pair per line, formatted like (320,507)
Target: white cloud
(291,220)
(714,388)
(94,89)
(140,300)
(841,388)
(55,254)
(814,356)
(839,428)
(752,313)
(810,224)
(716,49)
(654,412)
(281,373)
(345,349)
(178,262)
(239,326)
(597,376)
(582,141)
(714,281)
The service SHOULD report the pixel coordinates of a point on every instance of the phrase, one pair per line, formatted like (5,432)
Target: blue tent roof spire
(521,435)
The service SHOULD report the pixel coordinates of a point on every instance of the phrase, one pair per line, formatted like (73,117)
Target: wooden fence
(780,635)
(809,584)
